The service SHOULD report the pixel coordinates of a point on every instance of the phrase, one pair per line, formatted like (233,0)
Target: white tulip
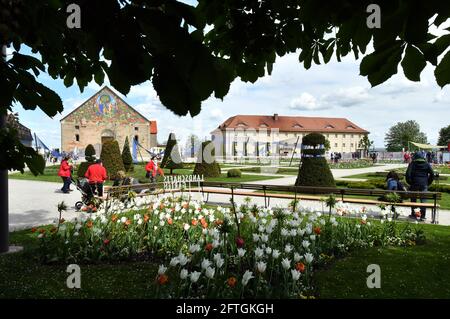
(193,248)
(183,274)
(205,263)
(259,252)
(162,270)
(194,276)
(286,263)
(210,272)
(246,277)
(275,253)
(288,248)
(255,238)
(305,244)
(186,226)
(174,261)
(295,274)
(261,266)
(309,258)
(241,252)
(312,237)
(297,257)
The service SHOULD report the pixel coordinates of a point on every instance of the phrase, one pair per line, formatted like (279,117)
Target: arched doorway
(107,135)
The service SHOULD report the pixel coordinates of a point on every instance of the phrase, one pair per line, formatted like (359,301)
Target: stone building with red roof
(259,135)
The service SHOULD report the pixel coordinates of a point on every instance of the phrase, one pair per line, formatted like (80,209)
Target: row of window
(77,138)
(77,127)
(287,134)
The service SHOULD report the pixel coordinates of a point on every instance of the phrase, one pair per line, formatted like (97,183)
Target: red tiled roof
(153,127)
(291,123)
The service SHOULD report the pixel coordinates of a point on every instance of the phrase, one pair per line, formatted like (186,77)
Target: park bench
(310,193)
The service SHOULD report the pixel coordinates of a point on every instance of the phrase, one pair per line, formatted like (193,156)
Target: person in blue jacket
(419,176)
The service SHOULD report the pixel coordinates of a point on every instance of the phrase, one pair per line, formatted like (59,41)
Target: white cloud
(305,101)
(347,97)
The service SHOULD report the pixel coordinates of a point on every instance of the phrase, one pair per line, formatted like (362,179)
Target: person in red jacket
(65,170)
(96,175)
(153,169)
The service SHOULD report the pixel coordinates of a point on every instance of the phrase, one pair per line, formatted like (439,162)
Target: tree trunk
(4,218)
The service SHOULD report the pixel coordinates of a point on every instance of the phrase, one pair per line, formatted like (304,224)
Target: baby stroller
(86,192)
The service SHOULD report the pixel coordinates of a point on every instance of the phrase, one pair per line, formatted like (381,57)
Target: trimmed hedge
(211,169)
(314,171)
(234,173)
(172,157)
(127,159)
(89,153)
(111,158)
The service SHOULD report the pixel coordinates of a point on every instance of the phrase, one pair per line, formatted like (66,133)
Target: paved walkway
(34,203)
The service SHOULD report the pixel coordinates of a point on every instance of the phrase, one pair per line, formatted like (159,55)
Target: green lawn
(412,272)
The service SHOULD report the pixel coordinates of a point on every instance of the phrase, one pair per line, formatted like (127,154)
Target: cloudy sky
(332,90)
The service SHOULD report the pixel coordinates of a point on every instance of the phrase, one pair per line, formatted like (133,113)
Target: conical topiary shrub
(206,164)
(172,158)
(111,158)
(314,169)
(89,153)
(127,159)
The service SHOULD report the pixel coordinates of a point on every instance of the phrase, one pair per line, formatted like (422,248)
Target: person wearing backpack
(419,176)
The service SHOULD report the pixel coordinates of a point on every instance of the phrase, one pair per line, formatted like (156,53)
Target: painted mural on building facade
(105,106)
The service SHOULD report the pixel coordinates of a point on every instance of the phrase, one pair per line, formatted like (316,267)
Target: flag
(134,155)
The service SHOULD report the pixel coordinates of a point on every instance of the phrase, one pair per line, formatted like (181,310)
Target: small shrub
(111,158)
(364,185)
(208,168)
(127,159)
(234,173)
(89,153)
(82,168)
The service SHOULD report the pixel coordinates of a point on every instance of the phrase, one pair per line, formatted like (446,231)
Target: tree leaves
(442,71)
(382,64)
(413,63)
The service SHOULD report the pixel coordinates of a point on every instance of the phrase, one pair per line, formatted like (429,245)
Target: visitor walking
(65,170)
(96,175)
(153,169)
(419,176)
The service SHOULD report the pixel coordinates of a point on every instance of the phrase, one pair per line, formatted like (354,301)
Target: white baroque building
(269,135)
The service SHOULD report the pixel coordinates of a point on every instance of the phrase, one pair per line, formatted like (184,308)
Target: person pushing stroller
(96,175)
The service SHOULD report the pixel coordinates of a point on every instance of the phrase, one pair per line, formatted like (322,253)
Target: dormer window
(329,126)
(241,124)
(350,127)
(296,125)
(264,125)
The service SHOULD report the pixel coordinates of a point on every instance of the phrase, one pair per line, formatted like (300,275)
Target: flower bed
(212,252)
(362,163)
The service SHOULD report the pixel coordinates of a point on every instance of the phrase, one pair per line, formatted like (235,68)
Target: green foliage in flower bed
(361,163)
(215,252)
(234,173)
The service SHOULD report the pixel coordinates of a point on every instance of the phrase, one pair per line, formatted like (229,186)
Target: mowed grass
(411,272)
(406,272)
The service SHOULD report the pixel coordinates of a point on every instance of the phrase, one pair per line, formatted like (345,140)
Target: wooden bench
(303,193)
